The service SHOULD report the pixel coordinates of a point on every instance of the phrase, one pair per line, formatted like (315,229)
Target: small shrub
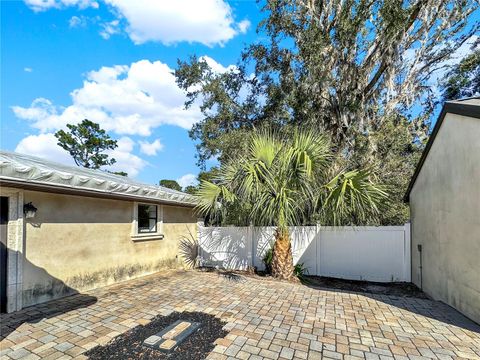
(300,271)
(189,250)
(267,260)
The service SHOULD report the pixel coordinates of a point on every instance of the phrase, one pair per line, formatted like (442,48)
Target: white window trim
(158,235)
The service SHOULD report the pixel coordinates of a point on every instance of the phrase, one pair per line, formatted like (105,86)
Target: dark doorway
(3,252)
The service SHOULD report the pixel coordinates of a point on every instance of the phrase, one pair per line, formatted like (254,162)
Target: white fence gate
(358,253)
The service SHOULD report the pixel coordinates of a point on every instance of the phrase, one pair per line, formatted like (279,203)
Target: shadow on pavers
(36,313)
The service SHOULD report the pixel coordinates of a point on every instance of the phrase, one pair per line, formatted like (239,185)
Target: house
(68,229)
(444,197)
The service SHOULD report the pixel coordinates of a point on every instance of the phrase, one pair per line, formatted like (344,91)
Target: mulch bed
(196,346)
(399,289)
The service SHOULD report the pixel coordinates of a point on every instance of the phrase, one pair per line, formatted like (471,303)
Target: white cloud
(42,5)
(215,66)
(45,146)
(187,180)
(77,21)
(109,29)
(125,99)
(208,22)
(126,161)
(150,148)
(27,69)
(40,108)
(243,26)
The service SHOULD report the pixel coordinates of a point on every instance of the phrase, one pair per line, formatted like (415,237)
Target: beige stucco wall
(445,213)
(76,243)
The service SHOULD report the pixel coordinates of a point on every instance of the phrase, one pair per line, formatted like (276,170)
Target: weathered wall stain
(84,243)
(116,274)
(52,289)
(55,288)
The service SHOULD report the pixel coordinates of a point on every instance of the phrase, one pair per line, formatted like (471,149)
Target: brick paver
(265,319)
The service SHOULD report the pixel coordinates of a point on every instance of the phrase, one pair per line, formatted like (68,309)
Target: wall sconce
(29,210)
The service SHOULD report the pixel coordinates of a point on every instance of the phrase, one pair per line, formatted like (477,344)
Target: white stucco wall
(445,213)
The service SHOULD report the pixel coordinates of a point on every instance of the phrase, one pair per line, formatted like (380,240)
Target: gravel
(197,346)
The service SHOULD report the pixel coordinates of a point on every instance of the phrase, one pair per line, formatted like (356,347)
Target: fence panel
(304,246)
(225,247)
(357,253)
(362,253)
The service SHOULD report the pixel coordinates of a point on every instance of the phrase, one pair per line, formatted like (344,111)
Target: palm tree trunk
(282,261)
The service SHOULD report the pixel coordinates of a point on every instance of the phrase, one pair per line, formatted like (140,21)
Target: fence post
(317,238)
(407,261)
(200,224)
(249,246)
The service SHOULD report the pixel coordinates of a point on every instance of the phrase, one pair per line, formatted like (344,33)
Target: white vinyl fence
(358,253)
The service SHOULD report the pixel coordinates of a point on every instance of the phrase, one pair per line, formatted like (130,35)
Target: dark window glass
(147,218)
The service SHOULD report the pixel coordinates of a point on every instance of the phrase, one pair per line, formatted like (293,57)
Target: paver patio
(266,319)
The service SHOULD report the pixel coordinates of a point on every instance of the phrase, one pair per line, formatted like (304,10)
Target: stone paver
(265,319)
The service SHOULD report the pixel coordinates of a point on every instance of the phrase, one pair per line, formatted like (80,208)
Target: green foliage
(190,189)
(121,173)
(170,184)
(464,79)
(339,68)
(393,150)
(301,272)
(350,199)
(267,260)
(284,180)
(86,143)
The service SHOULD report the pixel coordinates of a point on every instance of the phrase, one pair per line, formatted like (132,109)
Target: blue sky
(51,60)
(111,61)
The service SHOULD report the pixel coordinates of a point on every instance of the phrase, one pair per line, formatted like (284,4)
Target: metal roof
(31,172)
(466,107)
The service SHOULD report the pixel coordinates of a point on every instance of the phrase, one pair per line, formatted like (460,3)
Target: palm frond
(281,181)
(352,197)
(263,147)
(210,197)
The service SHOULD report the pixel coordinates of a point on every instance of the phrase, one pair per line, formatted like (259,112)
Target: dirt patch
(400,289)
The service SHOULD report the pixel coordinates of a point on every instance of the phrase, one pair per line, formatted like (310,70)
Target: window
(147,222)
(147,218)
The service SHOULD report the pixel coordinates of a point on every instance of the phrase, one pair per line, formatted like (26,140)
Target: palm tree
(282,181)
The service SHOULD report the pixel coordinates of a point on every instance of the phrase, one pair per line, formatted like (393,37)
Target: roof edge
(26,170)
(69,190)
(450,107)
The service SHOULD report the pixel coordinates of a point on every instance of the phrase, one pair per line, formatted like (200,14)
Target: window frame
(152,235)
(149,218)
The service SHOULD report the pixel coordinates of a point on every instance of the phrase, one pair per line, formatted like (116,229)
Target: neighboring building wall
(445,212)
(76,243)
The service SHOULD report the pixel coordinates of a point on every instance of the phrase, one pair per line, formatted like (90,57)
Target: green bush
(267,260)
(300,271)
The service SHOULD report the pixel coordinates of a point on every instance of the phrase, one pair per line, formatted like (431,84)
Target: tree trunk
(282,261)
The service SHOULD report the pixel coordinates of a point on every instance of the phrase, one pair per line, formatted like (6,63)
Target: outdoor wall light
(29,210)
